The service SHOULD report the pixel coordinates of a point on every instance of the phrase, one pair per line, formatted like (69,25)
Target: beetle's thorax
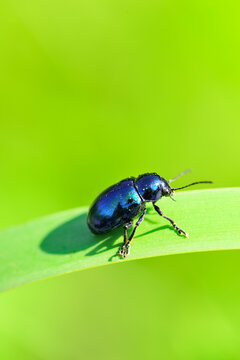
(152,187)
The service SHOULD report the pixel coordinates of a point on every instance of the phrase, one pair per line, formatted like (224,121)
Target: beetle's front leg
(178,229)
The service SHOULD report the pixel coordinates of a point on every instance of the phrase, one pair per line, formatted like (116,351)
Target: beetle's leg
(180,231)
(127,245)
(122,248)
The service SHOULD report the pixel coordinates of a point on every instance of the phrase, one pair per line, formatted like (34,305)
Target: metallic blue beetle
(121,203)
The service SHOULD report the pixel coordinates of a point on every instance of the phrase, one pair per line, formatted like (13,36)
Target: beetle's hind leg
(125,228)
(125,248)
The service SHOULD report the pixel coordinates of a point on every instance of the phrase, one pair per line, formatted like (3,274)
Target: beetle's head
(152,187)
(167,190)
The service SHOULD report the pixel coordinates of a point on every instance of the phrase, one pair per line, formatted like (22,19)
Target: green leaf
(62,242)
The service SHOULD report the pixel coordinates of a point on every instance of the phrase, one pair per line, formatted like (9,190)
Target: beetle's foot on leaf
(121,250)
(127,250)
(124,250)
(180,231)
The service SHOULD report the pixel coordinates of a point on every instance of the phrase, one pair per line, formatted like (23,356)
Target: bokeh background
(93,92)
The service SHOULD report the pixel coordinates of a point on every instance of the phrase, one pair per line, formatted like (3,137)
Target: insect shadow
(74,236)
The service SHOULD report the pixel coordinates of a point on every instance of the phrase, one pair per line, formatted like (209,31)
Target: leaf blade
(62,242)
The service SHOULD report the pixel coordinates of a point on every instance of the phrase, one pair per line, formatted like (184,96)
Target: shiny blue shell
(121,203)
(116,206)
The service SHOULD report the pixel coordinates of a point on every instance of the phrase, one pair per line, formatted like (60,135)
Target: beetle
(119,204)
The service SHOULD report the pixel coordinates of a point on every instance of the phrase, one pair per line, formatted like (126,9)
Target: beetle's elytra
(121,203)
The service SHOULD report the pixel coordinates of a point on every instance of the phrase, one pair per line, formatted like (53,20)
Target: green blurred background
(92,92)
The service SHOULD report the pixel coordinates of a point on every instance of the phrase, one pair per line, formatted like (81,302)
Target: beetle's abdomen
(116,206)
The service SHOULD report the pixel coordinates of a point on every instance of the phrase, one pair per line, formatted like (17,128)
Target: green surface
(93,92)
(62,242)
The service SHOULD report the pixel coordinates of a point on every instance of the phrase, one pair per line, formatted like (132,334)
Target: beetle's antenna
(195,183)
(179,175)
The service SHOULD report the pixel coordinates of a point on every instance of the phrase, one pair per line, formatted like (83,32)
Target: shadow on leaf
(74,236)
